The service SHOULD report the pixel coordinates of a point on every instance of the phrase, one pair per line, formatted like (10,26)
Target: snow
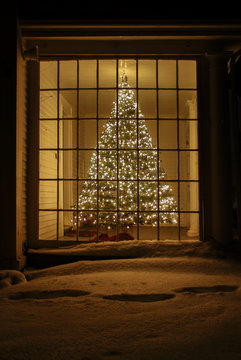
(133,248)
(10,277)
(149,308)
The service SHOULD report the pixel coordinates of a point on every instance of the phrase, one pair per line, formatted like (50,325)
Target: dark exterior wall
(8,143)
(219,157)
(12,145)
(21,154)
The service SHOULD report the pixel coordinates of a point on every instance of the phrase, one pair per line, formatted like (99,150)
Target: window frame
(34,141)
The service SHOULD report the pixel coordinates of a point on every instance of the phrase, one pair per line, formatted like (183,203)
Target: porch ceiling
(131,38)
(131,30)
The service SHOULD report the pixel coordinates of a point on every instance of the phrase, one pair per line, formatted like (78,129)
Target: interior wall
(170,133)
(48,169)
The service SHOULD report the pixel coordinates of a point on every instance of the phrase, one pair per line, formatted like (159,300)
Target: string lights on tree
(126,166)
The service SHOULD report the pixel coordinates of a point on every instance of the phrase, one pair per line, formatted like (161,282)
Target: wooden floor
(168,232)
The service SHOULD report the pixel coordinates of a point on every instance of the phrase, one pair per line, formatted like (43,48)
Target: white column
(65,165)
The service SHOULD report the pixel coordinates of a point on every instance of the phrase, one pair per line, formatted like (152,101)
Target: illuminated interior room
(113,134)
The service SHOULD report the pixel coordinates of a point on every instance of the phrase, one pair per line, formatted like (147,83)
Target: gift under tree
(127,165)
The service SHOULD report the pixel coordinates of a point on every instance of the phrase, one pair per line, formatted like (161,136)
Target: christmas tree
(127,165)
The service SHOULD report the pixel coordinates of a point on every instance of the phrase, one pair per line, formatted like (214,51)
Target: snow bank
(184,264)
(168,308)
(133,248)
(47,257)
(11,277)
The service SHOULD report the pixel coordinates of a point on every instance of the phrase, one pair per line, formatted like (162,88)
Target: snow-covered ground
(153,308)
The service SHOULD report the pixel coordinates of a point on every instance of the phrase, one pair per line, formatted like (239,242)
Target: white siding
(48,166)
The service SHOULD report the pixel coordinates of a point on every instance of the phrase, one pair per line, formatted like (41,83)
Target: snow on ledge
(133,248)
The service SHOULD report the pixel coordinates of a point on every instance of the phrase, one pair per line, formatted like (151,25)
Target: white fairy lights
(137,159)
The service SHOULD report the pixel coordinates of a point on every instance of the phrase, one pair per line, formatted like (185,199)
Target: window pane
(167,104)
(68,134)
(47,225)
(167,73)
(107,225)
(87,164)
(189,226)
(148,195)
(146,73)
(187,77)
(88,134)
(48,104)
(87,103)
(127,70)
(147,134)
(127,225)
(168,201)
(87,197)
(87,222)
(127,134)
(126,104)
(189,196)
(107,166)
(67,104)
(148,225)
(127,165)
(168,231)
(48,164)
(48,195)
(66,230)
(188,165)
(87,73)
(106,106)
(107,73)
(67,164)
(48,134)
(108,195)
(168,134)
(188,134)
(168,168)
(187,104)
(68,74)
(67,194)
(127,195)
(107,134)
(147,103)
(148,165)
(48,74)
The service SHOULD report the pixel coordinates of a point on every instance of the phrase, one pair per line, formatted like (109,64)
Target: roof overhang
(131,29)
(194,36)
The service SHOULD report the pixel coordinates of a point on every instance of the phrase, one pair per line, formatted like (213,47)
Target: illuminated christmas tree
(127,165)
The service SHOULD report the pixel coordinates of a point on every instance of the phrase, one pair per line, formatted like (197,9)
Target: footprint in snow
(47,294)
(207,289)
(139,297)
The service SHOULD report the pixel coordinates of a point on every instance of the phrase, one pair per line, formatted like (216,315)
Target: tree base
(92,236)
(120,237)
(82,232)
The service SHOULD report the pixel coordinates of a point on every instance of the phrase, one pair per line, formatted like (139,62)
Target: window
(118,149)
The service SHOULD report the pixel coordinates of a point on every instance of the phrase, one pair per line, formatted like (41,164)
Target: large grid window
(118,150)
